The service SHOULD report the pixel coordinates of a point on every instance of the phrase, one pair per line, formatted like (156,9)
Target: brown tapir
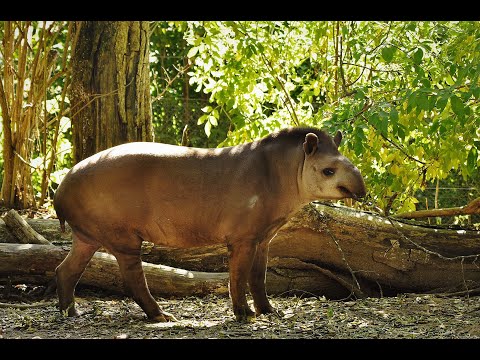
(184,197)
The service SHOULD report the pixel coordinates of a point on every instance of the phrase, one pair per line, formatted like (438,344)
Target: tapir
(184,197)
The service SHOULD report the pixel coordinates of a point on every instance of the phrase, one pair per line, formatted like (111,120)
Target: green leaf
(452,70)
(213,120)
(418,56)
(394,115)
(208,128)
(472,160)
(411,102)
(387,53)
(201,119)
(457,105)
(432,100)
(422,101)
(374,120)
(434,126)
(401,131)
(411,26)
(476,92)
(192,52)
(442,102)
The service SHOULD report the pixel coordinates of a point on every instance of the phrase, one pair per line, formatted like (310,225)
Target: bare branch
(471,208)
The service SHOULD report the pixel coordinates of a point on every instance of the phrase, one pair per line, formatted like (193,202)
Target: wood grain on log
(22,231)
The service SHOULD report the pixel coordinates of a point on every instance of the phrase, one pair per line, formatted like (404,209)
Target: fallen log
(21,230)
(40,261)
(48,228)
(338,252)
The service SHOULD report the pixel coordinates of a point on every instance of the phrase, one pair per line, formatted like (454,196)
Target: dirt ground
(107,316)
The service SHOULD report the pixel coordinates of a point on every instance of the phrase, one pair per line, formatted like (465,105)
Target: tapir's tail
(62,224)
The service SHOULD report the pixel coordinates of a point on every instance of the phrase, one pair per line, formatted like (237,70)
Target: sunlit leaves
(405,94)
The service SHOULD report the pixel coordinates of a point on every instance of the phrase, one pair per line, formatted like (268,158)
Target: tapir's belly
(171,216)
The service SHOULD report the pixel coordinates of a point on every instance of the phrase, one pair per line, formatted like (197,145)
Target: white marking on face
(252,201)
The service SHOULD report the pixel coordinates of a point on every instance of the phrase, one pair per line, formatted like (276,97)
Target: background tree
(110,92)
(32,66)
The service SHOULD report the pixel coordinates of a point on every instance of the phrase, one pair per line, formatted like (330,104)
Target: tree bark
(336,252)
(110,92)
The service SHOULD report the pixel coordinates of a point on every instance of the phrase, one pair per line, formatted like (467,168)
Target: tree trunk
(110,92)
(336,252)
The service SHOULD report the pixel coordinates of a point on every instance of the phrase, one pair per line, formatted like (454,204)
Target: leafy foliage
(175,104)
(404,93)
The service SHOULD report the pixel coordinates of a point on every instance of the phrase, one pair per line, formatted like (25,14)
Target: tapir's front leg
(257,280)
(241,259)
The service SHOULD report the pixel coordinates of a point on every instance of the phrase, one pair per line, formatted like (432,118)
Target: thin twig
(343,258)
(98,96)
(291,110)
(370,68)
(24,161)
(170,82)
(395,144)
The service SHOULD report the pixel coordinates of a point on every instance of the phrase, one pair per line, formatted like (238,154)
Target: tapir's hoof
(245,315)
(270,310)
(70,310)
(163,317)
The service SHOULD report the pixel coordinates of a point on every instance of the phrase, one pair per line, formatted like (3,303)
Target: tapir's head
(326,173)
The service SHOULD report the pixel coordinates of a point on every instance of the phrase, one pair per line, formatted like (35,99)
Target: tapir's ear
(338,138)
(311,144)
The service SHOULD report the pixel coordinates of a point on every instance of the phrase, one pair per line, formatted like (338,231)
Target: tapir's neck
(285,169)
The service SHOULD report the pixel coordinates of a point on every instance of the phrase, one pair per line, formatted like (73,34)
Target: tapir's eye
(328,171)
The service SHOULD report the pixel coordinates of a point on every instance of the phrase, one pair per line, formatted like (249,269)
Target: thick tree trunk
(335,252)
(110,92)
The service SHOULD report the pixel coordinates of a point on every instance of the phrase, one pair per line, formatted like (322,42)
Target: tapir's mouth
(346,192)
(349,194)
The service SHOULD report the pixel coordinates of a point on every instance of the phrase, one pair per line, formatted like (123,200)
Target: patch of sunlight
(180,272)
(24,246)
(182,324)
(383,313)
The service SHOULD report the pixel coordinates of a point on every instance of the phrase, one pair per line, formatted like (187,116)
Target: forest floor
(108,316)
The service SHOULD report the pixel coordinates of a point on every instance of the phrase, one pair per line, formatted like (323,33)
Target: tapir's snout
(354,187)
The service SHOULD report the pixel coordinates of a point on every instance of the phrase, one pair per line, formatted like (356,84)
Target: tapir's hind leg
(136,286)
(241,258)
(70,270)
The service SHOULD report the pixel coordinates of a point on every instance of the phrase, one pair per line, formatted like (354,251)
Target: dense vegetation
(405,94)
